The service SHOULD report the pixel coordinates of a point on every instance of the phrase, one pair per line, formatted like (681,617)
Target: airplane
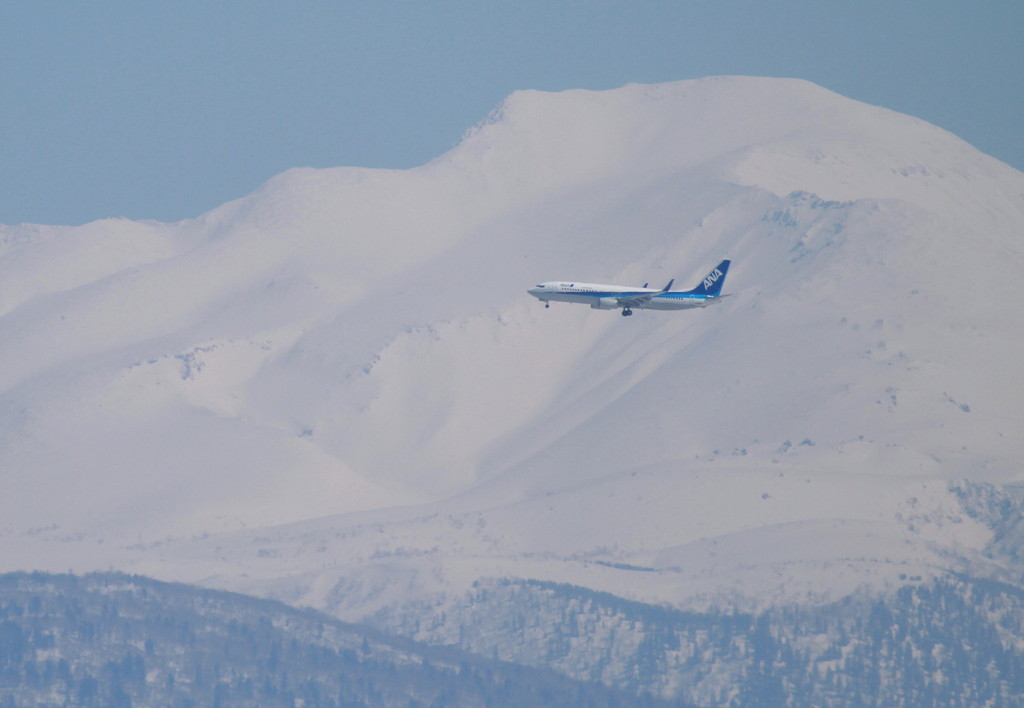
(610,297)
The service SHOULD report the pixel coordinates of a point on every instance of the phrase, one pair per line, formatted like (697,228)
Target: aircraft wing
(642,298)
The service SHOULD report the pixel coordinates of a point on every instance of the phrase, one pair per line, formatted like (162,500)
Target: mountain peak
(353,351)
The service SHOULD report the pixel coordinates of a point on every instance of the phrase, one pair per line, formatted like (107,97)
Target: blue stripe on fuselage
(626,293)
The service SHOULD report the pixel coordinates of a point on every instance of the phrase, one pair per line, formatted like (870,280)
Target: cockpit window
(541,285)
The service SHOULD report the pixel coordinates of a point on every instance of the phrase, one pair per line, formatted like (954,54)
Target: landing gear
(547,305)
(626,312)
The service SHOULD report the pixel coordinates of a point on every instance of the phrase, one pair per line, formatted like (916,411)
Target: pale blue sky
(163,109)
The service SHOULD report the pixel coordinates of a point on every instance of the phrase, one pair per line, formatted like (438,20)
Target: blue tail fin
(713,281)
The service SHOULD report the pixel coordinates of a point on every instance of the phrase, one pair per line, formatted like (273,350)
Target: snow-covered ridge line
(350,348)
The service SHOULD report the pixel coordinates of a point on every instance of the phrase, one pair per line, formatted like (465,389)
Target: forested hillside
(118,640)
(115,641)
(956,641)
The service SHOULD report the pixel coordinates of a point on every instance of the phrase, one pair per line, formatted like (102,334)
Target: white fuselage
(606,297)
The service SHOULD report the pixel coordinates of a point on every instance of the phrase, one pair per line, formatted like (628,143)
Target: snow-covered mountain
(336,391)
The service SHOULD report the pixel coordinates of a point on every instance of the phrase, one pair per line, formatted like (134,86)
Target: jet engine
(605,303)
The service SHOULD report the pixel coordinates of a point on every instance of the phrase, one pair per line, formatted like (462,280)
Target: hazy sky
(164,109)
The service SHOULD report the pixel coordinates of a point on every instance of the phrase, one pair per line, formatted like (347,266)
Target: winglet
(669,286)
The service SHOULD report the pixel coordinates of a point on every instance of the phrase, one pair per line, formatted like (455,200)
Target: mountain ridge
(339,381)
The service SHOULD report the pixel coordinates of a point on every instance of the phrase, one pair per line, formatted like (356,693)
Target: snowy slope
(336,390)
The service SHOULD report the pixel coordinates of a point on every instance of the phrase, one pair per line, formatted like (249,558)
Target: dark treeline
(115,641)
(955,641)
